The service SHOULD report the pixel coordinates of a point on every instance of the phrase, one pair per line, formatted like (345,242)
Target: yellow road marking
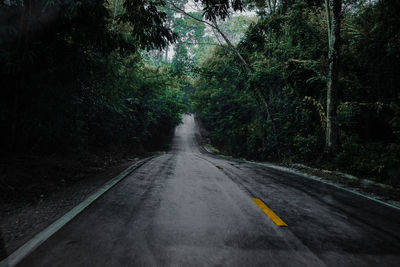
(269,212)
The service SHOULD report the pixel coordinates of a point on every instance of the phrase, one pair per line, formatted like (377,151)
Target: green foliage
(140,104)
(73,79)
(70,82)
(190,32)
(370,160)
(220,8)
(287,52)
(148,23)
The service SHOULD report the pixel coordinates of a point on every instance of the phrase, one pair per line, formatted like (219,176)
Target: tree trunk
(248,69)
(331,138)
(115,14)
(232,47)
(166,53)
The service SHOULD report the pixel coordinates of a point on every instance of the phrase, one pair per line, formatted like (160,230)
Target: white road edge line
(319,179)
(15,257)
(311,177)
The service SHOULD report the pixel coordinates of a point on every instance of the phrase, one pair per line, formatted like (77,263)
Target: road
(190,208)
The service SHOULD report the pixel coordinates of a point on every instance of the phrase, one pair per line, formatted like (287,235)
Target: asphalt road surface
(190,208)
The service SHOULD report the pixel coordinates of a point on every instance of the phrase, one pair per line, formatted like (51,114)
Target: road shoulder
(385,195)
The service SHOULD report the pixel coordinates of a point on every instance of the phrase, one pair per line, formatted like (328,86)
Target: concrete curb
(319,179)
(15,257)
(208,150)
(314,178)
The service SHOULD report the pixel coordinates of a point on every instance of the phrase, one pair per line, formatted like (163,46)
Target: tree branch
(189,15)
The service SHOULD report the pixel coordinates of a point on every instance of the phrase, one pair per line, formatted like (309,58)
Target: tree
(331,139)
(66,71)
(211,16)
(191,33)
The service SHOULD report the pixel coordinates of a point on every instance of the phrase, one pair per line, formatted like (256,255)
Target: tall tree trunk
(232,47)
(115,14)
(331,138)
(247,67)
(166,54)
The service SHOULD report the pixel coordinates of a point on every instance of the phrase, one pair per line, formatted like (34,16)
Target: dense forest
(289,60)
(75,79)
(314,81)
